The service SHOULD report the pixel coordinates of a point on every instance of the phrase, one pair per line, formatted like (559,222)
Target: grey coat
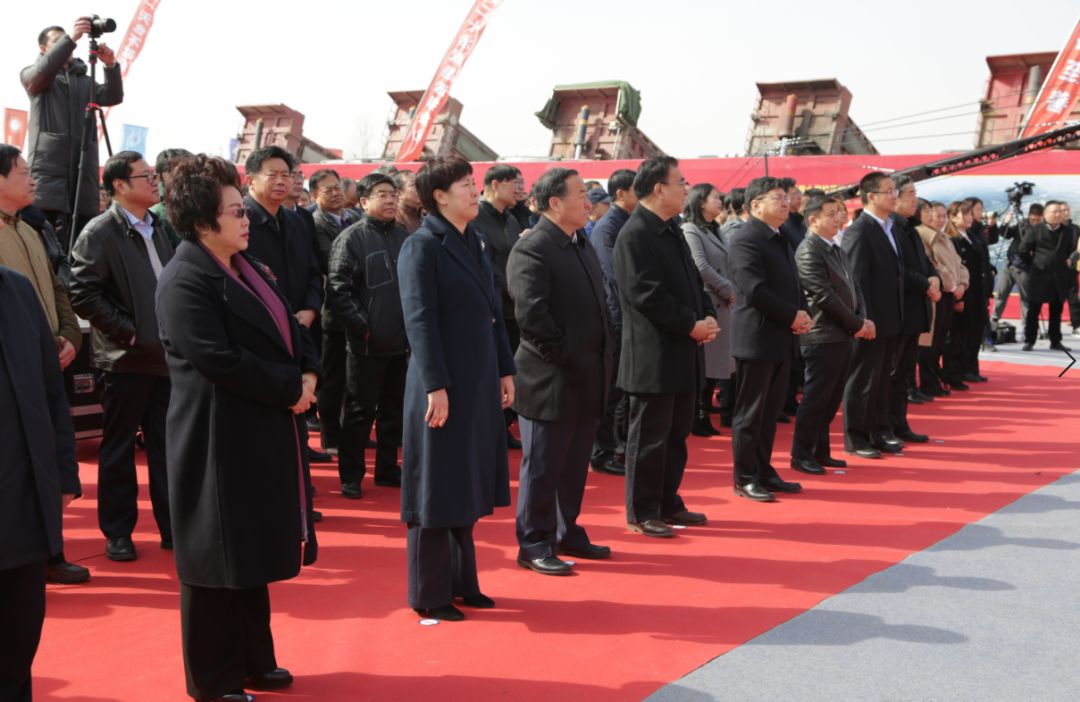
(710,256)
(58,98)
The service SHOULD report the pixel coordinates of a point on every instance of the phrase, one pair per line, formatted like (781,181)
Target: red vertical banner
(135,37)
(14,127)
(437,93)
(1060,91)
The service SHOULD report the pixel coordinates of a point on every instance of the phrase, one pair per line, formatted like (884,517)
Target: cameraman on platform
(59,88)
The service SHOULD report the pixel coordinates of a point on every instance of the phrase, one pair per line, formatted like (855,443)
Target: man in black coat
(39,474)
(564,364)
(838,311)
(1048,247)
(667,316)
(362,293)
(922,288)
(769,313)
(871,246)
(116,263)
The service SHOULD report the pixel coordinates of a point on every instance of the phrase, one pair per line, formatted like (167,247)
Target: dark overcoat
(917,273)
(35,471)
(662,297)
(1048,250)
(236,472)
(566,355)
(459,472)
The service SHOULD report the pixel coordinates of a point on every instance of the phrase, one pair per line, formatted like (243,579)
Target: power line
(942,109)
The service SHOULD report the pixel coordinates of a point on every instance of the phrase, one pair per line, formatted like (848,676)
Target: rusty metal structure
(278,125)
(596,121)
(1011,90)
(793,118)
(448,137)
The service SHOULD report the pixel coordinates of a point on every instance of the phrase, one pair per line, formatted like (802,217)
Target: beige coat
(946,260)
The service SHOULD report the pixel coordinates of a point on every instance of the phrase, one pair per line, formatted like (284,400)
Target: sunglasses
(239,212)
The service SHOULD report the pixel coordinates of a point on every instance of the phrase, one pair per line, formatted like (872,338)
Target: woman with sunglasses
(242,375)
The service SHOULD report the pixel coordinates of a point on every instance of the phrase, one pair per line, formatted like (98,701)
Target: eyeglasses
(150,176)
(894,191)
(331,189)
(238,212)
(778,198)
(383,195)
(297,175)
(682,183)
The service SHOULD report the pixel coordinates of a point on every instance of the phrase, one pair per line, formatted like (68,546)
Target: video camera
(101,25)
(1018,192)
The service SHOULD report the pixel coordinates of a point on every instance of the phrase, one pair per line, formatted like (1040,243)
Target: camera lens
(101,25)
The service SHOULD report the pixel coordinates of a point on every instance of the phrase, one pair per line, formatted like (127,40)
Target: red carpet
(617,630)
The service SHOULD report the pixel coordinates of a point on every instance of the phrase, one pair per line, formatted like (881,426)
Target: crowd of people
(232,314)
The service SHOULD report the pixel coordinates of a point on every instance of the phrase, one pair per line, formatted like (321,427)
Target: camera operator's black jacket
(1049,251)
(58,98)
(362,292)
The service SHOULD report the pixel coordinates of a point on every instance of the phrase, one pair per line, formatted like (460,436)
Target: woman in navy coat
(454,460)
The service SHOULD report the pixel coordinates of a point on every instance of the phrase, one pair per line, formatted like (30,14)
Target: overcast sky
(694,61)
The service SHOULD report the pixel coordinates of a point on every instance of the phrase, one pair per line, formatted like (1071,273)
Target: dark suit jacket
(284,244)
(762,265)
(326,230)
(565,358)
(972,258)
(834,298)
(879,271)
(794,230)
(917,273)
(1049,252)
(36,434)
(662,296)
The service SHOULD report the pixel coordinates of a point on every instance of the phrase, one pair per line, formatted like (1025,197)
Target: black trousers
(903,377)
(1055,304)
(760,391)
(1011,277)
(656,454)
(225,635)
(726,390)
(929,357)
(964,340)
(827,367)
(332,387)
(22,612)
(866,394)
(1074,301)
(442,565)
(375,387)
(554,466)
(514,334)
(128,402)
(610,444)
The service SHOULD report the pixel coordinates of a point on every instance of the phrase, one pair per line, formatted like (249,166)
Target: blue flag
(134,139)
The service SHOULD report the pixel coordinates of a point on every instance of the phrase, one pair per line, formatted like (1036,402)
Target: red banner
(135,37)
(439,90)
(1060,92)
(14,127)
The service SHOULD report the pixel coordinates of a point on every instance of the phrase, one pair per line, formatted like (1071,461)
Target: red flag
(1059,93)
(135,37)
(439,90)
(14,127)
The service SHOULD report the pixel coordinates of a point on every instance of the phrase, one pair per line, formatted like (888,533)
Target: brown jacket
(946,260)
(22,250)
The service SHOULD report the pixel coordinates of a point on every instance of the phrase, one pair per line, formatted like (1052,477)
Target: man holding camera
(59,88)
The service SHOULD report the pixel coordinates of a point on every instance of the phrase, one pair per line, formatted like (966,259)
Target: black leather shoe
(702,426)
(1027,347)
(831,462)
(755,492)
(908,435)
(65,573)
(478,601)
(610,468)
(548,565)
(235,697)
(590,552)
(865,452)
(121,549)
(276,679)
(352,490)
(971,378)
(652,527)
(511,442)
(958,385)
(166,544)
(778,485)
(686,518)
(932,392)
(923,396)
(316,515)
(1058,346)
(886,445)
(446,613)
(913,398)
(783,419)
(319,456)
(807,465)
(390,477)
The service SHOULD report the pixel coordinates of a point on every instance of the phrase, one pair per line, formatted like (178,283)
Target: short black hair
(401,178)
(695,203)
(439,174)
(501,173)
(815,203)
(652,170)
(43,36)
(193,198)
(811,192)
(321,175)
(167,158)
(8,156)
(551,184)
(388,169)
(735,201)
(1033,209)
(368,183)
(787,183)
(622,179)
(118,167)
(258,157)
(900,180)
(759,186)
(869,184)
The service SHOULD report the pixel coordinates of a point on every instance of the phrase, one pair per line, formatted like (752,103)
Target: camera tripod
(90,116)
